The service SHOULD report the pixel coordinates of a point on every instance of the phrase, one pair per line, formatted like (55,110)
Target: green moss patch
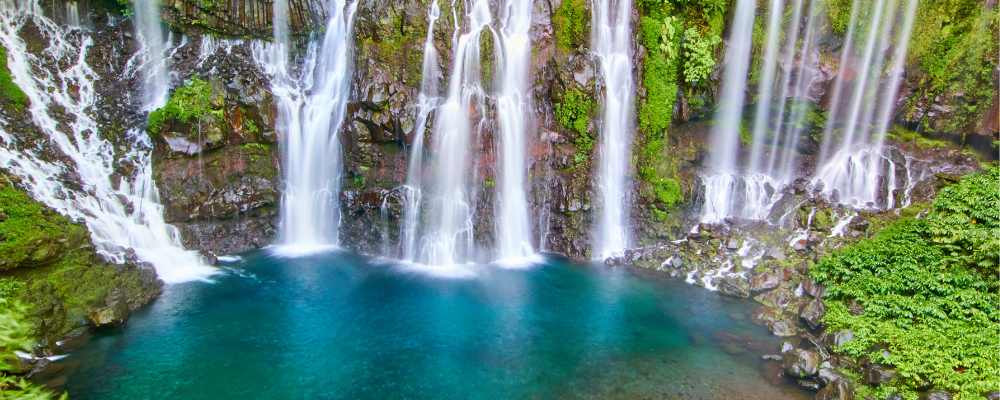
(572,25)
(188,103)
(8,89)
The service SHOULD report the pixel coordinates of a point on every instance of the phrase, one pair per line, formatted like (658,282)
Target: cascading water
(150,30)
(513,233)
(120,215)
(311,109)
(720,184)
(426,102)
(854,167)
(612,41)
(449,238)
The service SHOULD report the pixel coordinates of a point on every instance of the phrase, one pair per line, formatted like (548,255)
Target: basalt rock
(813,313)
(877,374)
(734,286)
(841,390)
(763,282)
(936,394)
(800,362)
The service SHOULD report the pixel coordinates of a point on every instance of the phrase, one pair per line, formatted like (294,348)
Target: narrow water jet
(612,40)
(725,135)
(426,103)
(449,237)
(121,215)
(311,109)
(154,68)
(514,55)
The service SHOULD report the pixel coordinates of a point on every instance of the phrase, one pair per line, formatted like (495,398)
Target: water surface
(345,326)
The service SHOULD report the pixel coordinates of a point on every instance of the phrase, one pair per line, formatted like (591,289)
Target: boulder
(895,396)
(813,312)
(801,363)
(877,374)
(733,244)
(842,389)
(113,314)
(936,394)
(773,254)
(764,282)
(810,342)
(994,395)
(855,308)
(778,298)
(838,338)
(813,289)
(734,286)
(809,384)
(799,245)
(783,327)
(828,376)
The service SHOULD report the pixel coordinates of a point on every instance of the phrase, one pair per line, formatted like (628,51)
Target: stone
(877,374)
(113,314)
(936,394)
(733,244)
(813,313)
(799,245)
(828,376)
(778,298)
(992,395)
(838,338)
(809,384)
(764,282)
(773,254)
(841,390)
(801,363)
(810,342)
(784,327)
(855,308)
(813,289)
(677,262)
(734,286)
(895,396)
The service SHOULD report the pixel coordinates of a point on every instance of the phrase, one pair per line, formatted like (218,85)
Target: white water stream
(513,101)
(612,41)
(311,101)
(120,215)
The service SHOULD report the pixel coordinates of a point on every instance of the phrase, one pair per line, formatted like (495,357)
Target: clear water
(339,325)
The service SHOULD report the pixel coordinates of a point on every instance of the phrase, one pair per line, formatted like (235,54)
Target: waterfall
(784,171)
(150,30)
(725,135)
(612,42)
(311,108)
(513,103)
(426,102)
(121,213)
(854,168)
(449,238)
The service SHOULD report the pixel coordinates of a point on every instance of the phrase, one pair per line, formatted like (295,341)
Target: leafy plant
(574,111)
(188,102)
(699,61)
(929,291)
(571,22)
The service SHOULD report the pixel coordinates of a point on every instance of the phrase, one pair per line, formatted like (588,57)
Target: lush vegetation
(573,113)
(15,335)
(32,233)
(929,290)
(571,22)
(8,89)
(188,103)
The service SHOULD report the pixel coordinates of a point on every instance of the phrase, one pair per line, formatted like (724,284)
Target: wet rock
(994,395)
(895,396)
(838,338)
(828,376)
(677,262)
(855,308)
(799,245)
(733,244)
(810,342)
(877,374)
(841,389)
(936,394)
(809,384)
(801,363)
(784,327)
(113,314)
(773,254)
(734,286)
(813,313)
(764,282)
(208,258)
(778,298)
(813,289)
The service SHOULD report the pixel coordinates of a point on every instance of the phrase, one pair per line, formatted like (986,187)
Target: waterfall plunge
(449,238)
(854,168)
(612,41)
(513,232)
(720,184)
(311,109)
(120,215)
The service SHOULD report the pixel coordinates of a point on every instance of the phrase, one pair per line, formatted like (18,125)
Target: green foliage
(15,335)
(667,191)
(955,44)
(572,24)
(929,289)
(839,14)
(188,102)
(574,111)
(8,287)
(660,73)
(32,232)
(699,61)
(8,88)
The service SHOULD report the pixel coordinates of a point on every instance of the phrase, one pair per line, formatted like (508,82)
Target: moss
(33,234)
(572,24)
(574,112)
(8,89)
(189,102)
